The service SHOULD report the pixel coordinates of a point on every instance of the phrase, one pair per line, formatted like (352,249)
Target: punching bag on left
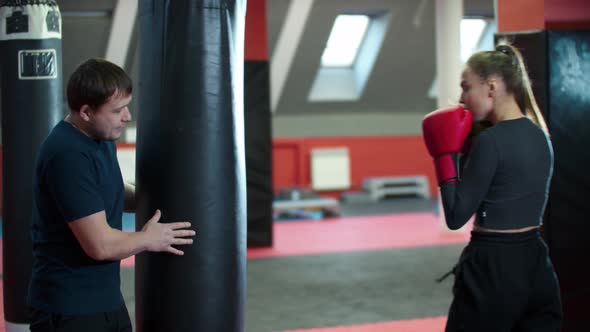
(32,99)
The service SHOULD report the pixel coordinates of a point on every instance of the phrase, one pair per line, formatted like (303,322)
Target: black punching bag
(31,85)
(191,163)
(567,216)
(558,63)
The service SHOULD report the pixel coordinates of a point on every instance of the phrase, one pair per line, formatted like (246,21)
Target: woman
(504,280)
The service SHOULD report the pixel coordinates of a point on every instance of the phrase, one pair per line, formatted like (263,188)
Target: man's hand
(162,237)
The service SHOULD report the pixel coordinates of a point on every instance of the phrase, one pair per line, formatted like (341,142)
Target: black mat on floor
(342,289)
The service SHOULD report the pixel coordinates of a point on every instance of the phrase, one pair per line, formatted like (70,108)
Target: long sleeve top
(505,181)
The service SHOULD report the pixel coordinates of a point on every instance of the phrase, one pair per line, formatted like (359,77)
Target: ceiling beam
(286,47)
(122,25)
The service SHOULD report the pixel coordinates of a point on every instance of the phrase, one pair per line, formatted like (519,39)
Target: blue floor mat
(129,221)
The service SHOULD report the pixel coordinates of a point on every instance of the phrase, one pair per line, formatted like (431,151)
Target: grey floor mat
(388,206)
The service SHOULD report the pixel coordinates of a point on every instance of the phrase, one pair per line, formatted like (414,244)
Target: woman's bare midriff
(518,230)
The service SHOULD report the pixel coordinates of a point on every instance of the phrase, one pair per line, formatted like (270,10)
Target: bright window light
(345,39)
(471,30)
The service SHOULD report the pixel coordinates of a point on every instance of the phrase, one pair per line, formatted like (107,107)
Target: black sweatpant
(505,282)
(114,321)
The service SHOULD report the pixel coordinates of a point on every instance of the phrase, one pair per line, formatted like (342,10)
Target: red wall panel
(511,15)
(542,14)
(567,14)
(256,43)
(369,156)
(286,169)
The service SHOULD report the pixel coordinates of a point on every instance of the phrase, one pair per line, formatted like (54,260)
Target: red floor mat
(297,238)
(415,325)
(359,233)
(2,322)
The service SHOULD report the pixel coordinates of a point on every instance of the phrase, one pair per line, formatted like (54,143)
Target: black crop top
(505,180)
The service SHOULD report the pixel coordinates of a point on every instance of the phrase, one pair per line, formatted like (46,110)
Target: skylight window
(471,32)
(345,40)
(349,56)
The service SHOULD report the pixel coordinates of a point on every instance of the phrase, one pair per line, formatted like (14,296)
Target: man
(79,198)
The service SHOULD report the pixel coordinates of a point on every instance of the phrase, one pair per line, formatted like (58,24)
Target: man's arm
(101,242)
(130,203)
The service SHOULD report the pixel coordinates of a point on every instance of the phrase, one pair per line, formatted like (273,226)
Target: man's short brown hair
(94,82)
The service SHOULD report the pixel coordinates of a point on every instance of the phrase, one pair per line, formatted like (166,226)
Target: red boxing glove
(444,132)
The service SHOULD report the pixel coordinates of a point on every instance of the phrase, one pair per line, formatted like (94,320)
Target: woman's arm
(461,199)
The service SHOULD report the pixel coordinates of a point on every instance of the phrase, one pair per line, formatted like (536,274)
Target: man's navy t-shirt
(75,176)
